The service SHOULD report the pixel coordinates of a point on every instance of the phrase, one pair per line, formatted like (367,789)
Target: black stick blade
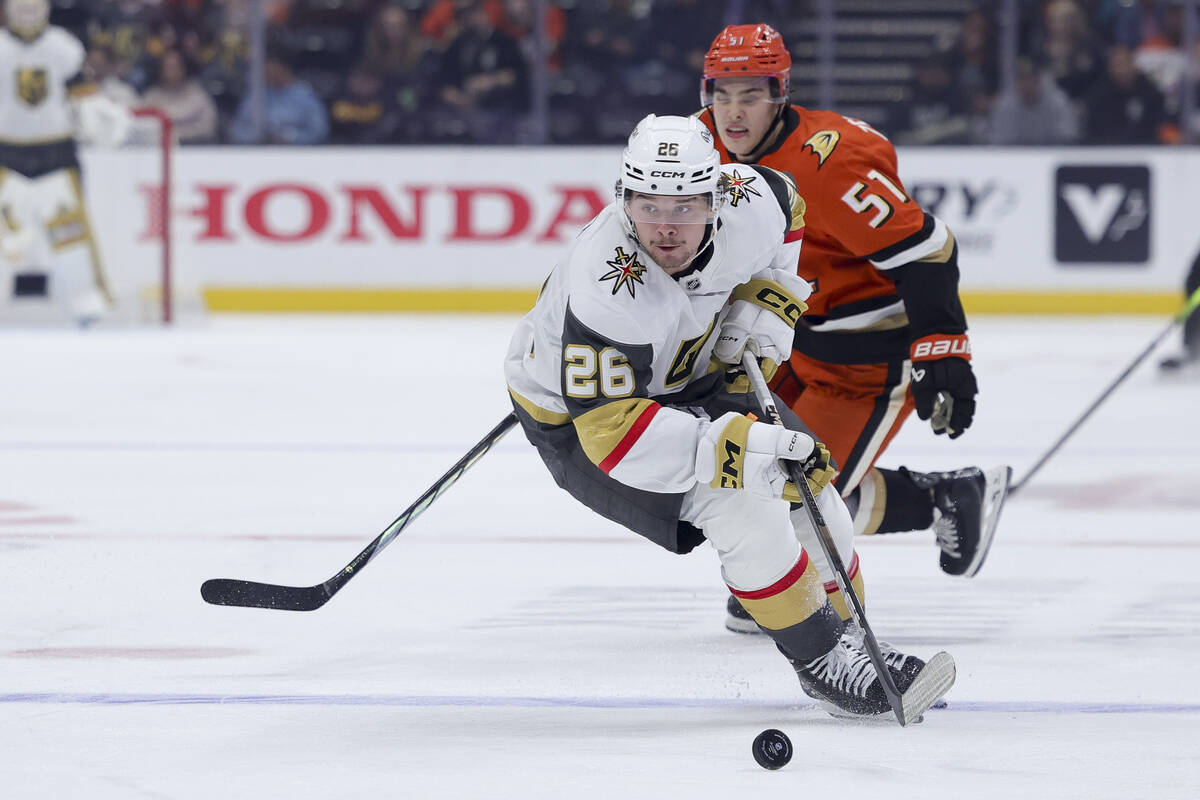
(249,594)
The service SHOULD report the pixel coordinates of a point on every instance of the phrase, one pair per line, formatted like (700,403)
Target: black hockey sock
(907,505)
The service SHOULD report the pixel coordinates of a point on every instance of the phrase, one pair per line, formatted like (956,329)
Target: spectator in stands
(520,22)
(191,109)
(977,70)
(292,112)
(443,20)
(680,31)
(669,54)
(1035,112)
(100,70)
(485,80)
(600,50)
(126,29)
(1125,107)
(1073,56)
(394,47)
(938,111)
(1160,56)
(363,111)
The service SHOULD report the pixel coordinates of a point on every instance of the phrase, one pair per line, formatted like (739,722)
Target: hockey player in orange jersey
(885,333)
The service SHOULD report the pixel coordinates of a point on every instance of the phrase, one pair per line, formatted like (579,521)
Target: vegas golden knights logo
(32,86)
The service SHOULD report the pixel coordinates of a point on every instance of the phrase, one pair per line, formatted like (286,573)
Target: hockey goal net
(127,191)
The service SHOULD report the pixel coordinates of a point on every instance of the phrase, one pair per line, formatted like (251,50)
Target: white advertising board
(401,218)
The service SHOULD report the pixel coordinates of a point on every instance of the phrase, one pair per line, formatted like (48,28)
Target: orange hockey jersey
(860,226)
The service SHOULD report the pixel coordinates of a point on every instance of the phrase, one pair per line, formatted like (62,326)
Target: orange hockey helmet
(748,50)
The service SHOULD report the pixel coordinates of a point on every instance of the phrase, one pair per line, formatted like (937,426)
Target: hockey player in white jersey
(623,378)
(45,105)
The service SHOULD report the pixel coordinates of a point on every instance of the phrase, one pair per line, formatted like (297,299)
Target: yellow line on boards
(442,300)
(1094,302)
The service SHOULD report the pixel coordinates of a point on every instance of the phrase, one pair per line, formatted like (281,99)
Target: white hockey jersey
(616,347)
(34,106)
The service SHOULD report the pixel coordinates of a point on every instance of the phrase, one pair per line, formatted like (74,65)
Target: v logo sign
(1094,209)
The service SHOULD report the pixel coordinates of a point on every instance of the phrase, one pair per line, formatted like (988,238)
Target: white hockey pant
(753,537)
(841,529)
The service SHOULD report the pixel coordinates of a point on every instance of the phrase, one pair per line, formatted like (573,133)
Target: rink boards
(414,228)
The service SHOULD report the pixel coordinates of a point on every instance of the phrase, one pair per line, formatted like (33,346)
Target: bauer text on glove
(943,384)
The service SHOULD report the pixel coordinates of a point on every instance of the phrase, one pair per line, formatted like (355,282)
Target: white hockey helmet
(27,18)
(671,156)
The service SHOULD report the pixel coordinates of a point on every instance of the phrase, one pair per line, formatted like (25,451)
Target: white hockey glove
(762,315)
(101,121)
(738,453)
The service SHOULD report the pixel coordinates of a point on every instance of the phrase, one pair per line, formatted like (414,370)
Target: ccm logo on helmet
(662,173)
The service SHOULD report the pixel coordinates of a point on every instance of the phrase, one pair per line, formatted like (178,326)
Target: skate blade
(838,712)
(928,687)
(995,492)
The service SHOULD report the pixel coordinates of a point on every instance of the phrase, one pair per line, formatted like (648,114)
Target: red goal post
(159,208)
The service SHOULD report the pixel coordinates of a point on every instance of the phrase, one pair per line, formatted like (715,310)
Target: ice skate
(843,682)
(967,505)
(903,666)
(738,619)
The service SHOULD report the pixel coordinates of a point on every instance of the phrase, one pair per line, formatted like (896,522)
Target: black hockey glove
(943,384)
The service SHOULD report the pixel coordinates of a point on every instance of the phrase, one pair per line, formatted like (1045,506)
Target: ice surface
(512,644)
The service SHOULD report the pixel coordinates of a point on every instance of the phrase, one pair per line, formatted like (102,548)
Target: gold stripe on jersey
(796,202)
(772,296)
(602,428)
(684,362)
(542,415)
(34,142)
(942,255)
(796,602)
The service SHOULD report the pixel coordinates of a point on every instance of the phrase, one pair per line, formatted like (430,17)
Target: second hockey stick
(937,676)
(251,594)
(1192,303)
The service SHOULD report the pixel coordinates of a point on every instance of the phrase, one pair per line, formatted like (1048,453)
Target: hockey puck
(772,749)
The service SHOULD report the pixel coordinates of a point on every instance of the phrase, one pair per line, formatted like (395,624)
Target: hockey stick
(250,594)
(938,674)
(1192,303)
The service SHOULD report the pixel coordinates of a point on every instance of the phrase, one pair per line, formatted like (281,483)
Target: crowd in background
(459,71)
